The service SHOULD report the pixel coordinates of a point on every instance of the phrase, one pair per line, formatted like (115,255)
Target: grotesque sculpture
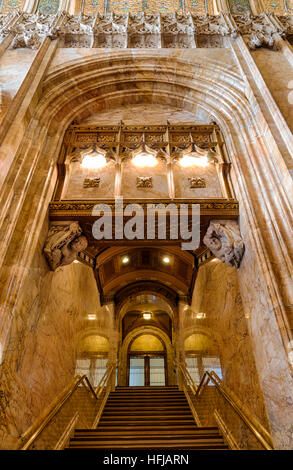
(224,240)
(64,242)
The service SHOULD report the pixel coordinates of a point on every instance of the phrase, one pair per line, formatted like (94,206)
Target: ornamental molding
(76,209)
(143,30)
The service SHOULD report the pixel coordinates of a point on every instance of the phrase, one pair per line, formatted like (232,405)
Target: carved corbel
(64,241)
(224,240)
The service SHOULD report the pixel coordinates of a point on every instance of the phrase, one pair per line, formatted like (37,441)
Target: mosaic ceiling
(199,7)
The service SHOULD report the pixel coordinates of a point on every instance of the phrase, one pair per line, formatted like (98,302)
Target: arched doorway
(147,361)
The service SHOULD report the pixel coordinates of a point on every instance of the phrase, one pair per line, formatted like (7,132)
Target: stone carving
(91,182)
(144,30)
(63,243)
(213,24)
(31,30)
(111,23)
(143,23)
(177,24)
(225,242)
(196,182)
(259,31)
(286,22)
(144,182)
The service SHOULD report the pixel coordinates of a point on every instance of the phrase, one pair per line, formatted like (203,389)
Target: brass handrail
(104,379)
(35,430)
(261,434)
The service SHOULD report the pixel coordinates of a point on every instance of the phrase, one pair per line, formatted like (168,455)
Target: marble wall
(217,295)
(40,358)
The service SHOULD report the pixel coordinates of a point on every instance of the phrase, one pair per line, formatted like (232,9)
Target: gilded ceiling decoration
(7,6)
(276,6)
(48,7)
(238,7)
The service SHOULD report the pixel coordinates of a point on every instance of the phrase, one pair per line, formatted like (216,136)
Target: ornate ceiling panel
(7,6)
(48,7)
(276,6)
(238,7)
(92,7)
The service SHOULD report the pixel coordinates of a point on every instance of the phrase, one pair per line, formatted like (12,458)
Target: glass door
(136,371)
(157,371)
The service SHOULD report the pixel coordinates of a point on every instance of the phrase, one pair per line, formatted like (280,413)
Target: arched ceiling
(145,264)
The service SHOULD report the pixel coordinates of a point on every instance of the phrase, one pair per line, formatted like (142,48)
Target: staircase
(147,418)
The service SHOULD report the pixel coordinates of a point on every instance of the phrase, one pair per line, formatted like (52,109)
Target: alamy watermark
(148,222)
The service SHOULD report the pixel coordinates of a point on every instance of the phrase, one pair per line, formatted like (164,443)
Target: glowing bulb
(200,315)
(144,159)
(94,160)
(190,160)
(125,259)
(166,260)
(147,316)
(92,316)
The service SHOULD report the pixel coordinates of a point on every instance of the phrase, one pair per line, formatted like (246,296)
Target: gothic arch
(212,92)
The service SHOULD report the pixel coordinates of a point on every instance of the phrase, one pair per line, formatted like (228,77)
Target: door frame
(147,355)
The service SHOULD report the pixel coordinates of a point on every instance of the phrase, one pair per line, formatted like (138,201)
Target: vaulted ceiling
(118,268)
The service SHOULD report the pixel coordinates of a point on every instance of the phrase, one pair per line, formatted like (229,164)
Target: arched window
(7,6)
(48,7)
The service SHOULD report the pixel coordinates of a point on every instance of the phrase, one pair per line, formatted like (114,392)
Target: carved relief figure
(144,182)
(63,243)
(91,183)
(195,182)
(224,240)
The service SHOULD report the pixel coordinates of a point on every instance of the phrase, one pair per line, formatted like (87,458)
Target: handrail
(35,430)
(261,434)
(188,378)
(104,379)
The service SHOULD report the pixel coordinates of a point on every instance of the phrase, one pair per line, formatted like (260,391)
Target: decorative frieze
(144,30)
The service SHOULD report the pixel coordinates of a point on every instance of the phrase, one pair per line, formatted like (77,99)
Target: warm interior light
(147,315)
(144,159)
(93,160)
(92,316)
(200,315)
(190,159)
(125,259)
(76,261)
(166,260)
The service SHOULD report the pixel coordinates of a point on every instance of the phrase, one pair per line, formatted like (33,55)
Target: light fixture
(147,315)
(125,260)
(192,159)
(76,261)
(144,159)
(92,316)
(94,159)
(166,260)
(200,315)
(144,156)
